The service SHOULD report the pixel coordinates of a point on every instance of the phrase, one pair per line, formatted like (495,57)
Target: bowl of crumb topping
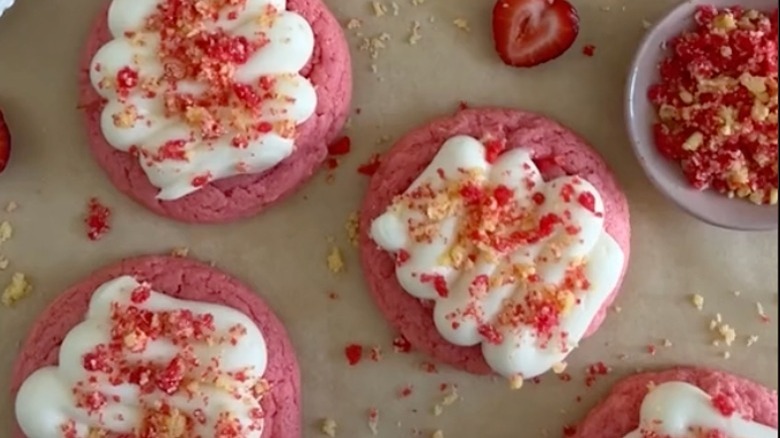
(701,109)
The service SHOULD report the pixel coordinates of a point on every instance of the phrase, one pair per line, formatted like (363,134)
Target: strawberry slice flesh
(5,143)
(527,33)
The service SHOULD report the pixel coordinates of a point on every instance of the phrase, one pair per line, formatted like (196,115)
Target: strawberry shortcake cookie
(157,347)
(210,110)
(494,240)
(683,403)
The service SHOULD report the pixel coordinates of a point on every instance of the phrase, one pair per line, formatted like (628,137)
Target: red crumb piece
(342,146)
(401,344)
(406,391)
(201,180)
(5,143)
(373,420)
(589,50)
(354,354)
(140,294)
(724,404)
(493,149)
(429,367)
(370,167)
(587,201)
(592,372)
(402,257)
(651,350)
(716,103)
(569,430)
(462,105)
(439,283)
(97,220)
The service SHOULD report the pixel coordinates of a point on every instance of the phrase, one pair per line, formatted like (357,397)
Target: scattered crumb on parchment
(462,24)
(352,226)
(6,231)
(417,2)
(373,420)
(516,382)
(559,367)
(760,311)
(752,339)
(335,260)
(328,427)
(448,399)
(437,434)
(414,33)
(180,252)
(698,301)
(378,8)
(11,207)
(3,262)
(16,290)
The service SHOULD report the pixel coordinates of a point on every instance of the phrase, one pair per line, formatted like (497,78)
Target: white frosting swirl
(138,122)
(51,399)
(468,317)
(678,410)
(5,5)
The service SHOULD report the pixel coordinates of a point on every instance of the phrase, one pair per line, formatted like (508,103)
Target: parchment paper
(282,253)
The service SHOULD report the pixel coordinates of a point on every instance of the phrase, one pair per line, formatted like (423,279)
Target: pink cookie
(242,196)
(185,279)
(557,151)
(618,414)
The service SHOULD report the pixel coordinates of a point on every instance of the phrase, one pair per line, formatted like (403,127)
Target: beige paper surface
(282,253)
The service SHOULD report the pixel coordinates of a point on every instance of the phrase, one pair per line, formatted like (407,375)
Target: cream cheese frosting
(211,96)
(514,263)
(144,363)
(681,410)
(5,5)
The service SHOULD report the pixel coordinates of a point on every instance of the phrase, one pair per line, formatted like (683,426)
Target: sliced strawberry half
(5,143)
(532,32)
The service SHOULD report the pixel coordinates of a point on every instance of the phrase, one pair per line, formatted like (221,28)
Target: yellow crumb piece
(450,398)
(728,334)
(516,382)
(718,318)
(437,410)
(617,309)
(415,36)
(6,231)
(462,24)
(417,2)
(651,386)
(559,367)
(379,8)
(373,421)
(328,427)
(352,227)
(181,252)
(354,23)
(396,8)
(3,262)
(760,310)
(713,324)
(667,343)
(437,434)
(698,301)
(335,260)
(737,293)
(17,289)
(752,339)
(11,207)
(726,355)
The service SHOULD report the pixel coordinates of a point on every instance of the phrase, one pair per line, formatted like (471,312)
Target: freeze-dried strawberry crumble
(717,103)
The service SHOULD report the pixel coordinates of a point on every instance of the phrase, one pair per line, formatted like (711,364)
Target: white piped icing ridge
(201,95)
(149,365)
(516,264)
(681,410)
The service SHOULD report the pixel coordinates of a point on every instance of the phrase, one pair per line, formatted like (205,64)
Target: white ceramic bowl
(709,206)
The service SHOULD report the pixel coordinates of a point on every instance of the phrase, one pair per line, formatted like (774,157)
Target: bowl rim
(629,101)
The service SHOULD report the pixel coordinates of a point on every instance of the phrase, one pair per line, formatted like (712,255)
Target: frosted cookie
(683,403)
(209,111)
(157,347)
(494,240)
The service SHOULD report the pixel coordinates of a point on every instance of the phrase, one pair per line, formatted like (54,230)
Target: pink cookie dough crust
(241,196)
(186,279)
(556,150)
(618,414)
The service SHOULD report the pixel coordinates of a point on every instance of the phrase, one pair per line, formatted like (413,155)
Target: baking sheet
(283,253)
